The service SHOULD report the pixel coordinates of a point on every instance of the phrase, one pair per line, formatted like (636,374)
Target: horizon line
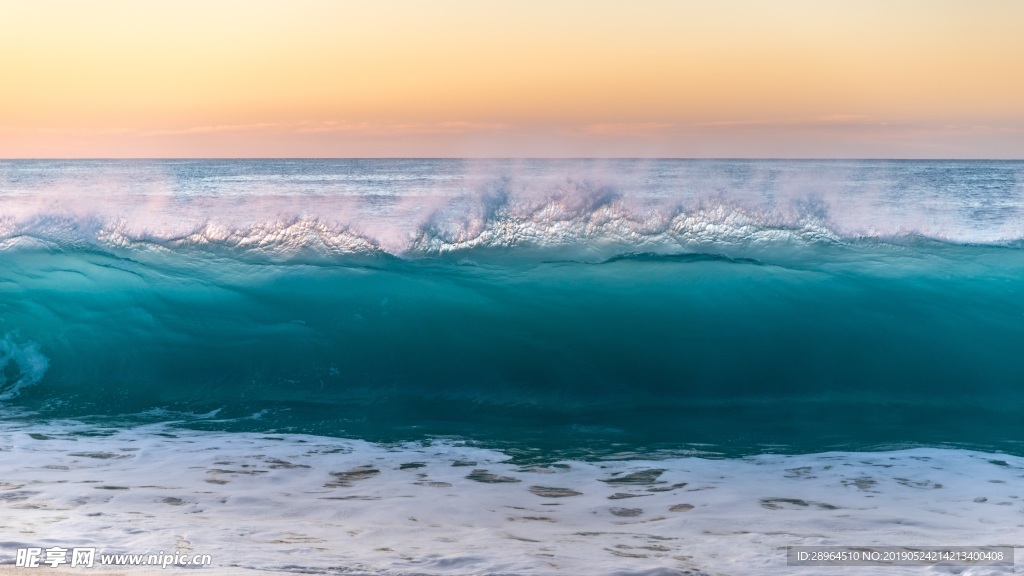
(520,158)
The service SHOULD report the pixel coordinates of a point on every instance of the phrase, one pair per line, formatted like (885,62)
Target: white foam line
(313,503)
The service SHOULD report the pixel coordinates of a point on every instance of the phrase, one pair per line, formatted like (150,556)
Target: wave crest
(613,224)
(281,237)
(583,217)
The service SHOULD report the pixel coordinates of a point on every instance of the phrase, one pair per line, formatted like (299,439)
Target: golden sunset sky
(432,78)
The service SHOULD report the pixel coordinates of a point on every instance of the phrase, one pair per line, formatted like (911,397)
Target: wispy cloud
(101,131)
(628,128)
(828,120)
(384,128)
(352,128)
(341,127)
(215,129)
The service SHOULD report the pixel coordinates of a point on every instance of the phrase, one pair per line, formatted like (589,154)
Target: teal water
(728,307)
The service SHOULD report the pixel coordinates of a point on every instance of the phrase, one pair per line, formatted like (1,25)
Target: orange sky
(762,78)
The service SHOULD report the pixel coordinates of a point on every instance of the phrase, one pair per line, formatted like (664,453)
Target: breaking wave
(810,305)
(578,218)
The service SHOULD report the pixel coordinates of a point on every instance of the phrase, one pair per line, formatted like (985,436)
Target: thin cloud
(352,128)
(385,129)
(214,129)
(628,128)
(828,120)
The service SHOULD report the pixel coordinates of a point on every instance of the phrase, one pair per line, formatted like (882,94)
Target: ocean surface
(511,366)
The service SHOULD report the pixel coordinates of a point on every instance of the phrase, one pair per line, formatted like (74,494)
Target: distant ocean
(511,366)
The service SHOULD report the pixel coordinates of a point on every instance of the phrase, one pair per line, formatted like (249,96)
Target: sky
(512,78)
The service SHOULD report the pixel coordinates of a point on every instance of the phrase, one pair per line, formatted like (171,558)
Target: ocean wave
(597,232)
(616,226)
(569,208)
(272,238)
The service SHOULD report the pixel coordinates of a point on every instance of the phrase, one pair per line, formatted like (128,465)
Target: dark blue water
(575,307)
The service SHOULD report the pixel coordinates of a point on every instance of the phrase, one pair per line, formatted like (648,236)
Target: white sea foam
(312,504)
(607,230)
(415,208)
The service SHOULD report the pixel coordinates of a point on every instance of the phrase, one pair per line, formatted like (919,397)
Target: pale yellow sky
(772,78)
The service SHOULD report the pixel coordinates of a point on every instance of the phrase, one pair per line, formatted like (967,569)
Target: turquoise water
(578,308)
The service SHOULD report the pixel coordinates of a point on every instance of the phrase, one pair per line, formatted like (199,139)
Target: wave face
(590,307)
